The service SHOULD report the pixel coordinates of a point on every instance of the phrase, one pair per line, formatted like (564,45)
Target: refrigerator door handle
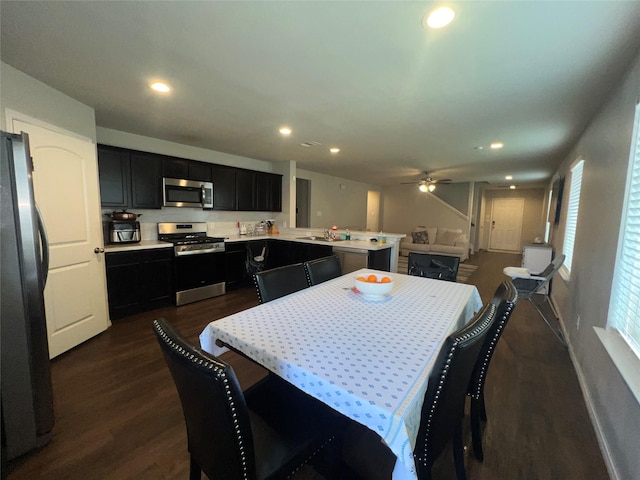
(44,240)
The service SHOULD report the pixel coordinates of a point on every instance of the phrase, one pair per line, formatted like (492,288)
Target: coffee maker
(124,231)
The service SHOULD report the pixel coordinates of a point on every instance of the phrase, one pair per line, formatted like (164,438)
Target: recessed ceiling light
(509,177)
(334,150)
(160,87)
(286,131)
(497,145)
(438,18)
(512,187)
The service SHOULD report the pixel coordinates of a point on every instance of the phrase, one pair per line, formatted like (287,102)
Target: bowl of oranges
(373,286)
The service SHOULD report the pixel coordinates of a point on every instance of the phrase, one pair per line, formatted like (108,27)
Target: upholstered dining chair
(280,281)
(322,269)
(442,410)
(266,432)
(504,299)
(441,267)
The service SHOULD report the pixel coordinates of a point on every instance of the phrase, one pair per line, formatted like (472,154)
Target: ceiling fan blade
(443,181)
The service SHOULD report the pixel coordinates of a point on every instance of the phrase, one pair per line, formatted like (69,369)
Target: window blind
(624,312)
(572,213)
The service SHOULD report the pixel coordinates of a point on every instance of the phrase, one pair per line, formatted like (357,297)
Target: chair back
(322,269)
(551,269)
(281,281)
(214,407)
(528,286)
(442,267)
(443,407)
(505,300)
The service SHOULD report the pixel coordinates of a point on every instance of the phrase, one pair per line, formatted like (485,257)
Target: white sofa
(436,240)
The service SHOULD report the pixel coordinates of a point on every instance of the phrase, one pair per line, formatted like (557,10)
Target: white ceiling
(361,75)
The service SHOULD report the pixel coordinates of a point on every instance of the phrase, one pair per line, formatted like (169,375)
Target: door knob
(98,250)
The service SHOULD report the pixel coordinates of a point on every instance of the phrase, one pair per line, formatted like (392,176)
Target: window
(624,309)
(572,214)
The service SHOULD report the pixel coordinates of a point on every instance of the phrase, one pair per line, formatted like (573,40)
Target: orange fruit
(372,278)
(361,279)
(385,280)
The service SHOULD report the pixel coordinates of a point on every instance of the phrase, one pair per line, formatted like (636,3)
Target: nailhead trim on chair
(220,373)
(422,457)
(494,340)
(255,284)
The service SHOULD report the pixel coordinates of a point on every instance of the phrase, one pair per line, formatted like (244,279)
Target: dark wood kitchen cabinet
(146,181)
(224,187)
(129,179)
(133,179)
(283,252)
(235,273)
(175,167)
(259,191)
(115,177)
(139,281)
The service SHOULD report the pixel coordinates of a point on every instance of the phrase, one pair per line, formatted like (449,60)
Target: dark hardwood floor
(118,415)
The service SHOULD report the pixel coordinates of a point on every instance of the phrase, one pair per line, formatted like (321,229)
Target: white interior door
(65,181)
(506,224)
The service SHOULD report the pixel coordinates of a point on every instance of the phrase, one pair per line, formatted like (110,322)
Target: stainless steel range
(199,262)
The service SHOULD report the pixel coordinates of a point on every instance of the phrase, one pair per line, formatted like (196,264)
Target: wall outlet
(578,322)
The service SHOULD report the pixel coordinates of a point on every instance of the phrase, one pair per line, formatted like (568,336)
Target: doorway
(373,211)
(303,203)
(506,224)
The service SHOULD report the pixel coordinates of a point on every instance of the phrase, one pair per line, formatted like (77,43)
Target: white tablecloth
(369,360)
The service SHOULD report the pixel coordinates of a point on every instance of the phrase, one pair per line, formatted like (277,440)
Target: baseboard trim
(595,421)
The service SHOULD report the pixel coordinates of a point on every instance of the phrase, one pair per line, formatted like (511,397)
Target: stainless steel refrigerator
(26,391)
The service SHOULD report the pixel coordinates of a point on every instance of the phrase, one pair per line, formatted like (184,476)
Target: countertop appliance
(198,263)
(187,193)
(27,396)
(124,231)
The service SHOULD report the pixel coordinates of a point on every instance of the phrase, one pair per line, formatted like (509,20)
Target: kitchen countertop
(346,244)
(143,245)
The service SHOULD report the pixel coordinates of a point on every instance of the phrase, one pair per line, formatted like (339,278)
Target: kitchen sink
(321,239)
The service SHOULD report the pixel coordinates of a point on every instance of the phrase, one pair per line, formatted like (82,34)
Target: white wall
(337,201)
(605,147)
(406,207)
(24,94)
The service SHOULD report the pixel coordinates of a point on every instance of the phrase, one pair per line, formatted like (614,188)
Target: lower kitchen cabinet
(380,259)
(139,281)
(235,256)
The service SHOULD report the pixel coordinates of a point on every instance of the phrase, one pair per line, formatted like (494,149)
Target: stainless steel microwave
(187,193)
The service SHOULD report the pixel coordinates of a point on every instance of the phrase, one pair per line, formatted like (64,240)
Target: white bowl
(374,290)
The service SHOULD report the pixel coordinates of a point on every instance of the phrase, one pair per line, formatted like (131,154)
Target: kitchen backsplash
(219,224)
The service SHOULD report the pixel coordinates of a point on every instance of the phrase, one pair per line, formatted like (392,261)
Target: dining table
(368,358)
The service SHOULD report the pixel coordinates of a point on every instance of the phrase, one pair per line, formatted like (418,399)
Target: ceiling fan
(428,183)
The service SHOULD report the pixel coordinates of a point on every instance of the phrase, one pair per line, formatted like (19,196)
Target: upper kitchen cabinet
(173,167)
(260,191)
(146,180)
(115,177)
(129,179)
(224,187)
